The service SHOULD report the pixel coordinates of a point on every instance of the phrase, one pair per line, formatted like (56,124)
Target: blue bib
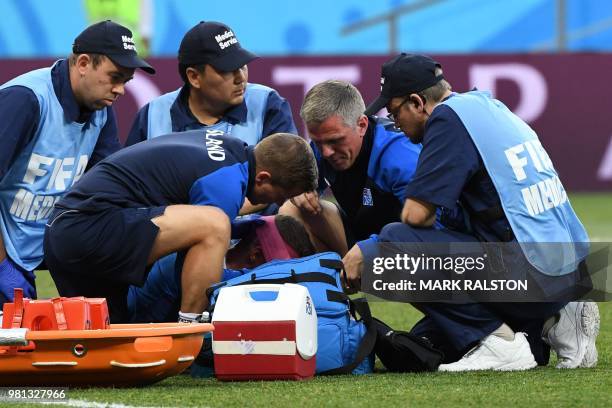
(532,196)
(55,158)
(256,97)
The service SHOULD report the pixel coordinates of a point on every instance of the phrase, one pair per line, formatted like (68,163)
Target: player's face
(339,144)
(225,89)
(100,87)
(408,118)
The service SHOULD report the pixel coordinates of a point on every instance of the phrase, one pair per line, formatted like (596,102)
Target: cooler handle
(264,287)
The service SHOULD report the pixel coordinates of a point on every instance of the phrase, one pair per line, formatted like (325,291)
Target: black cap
(113,40)
(213,43)
(403,75)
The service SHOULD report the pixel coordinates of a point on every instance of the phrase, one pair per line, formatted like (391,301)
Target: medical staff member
(55,123)
(216,94)
(477,152)
(365,161)
(175,193)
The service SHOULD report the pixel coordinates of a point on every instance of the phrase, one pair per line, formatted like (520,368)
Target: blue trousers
(455,328)
(159,299)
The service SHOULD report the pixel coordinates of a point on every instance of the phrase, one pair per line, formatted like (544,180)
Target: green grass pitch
(544,386)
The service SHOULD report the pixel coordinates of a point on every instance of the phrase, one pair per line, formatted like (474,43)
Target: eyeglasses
(392,115)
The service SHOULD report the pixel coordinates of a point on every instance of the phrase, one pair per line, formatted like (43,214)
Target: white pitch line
(92,404)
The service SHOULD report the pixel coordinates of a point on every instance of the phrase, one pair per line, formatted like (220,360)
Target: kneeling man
(262,239)
(173,193)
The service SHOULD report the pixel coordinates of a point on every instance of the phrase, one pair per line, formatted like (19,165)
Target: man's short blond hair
(289,160)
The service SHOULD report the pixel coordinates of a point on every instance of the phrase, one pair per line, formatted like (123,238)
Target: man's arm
(418,213)
(19,118)
(321,219)
(108,142)
(278,116)
(448,160)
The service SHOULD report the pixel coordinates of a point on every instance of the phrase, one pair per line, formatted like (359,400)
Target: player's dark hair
(293,233)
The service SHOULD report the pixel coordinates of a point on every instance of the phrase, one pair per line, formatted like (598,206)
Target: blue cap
(113,40)
(405,74)
(210,42)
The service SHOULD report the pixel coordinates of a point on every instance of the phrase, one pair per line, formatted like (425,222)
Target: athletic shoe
(590,356)
(495,353)
(573,336)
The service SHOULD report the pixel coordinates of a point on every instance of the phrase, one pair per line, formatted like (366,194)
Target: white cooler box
(264,332)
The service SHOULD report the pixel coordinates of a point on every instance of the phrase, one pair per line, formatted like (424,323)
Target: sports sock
(189,317)
(185,317)
(505,332)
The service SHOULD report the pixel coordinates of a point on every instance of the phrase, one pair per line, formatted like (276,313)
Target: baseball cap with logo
(403,75)
(210,42)
(113,40)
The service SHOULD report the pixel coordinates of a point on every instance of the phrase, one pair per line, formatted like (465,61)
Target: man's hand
(353,267)
(307,203)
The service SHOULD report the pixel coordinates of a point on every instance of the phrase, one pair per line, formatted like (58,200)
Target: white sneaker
(573,336)
(495,353)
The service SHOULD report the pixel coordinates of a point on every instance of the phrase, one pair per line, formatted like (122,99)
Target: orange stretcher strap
(60,317)
(18,310)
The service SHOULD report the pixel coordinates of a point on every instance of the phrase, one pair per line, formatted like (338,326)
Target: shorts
(100,254)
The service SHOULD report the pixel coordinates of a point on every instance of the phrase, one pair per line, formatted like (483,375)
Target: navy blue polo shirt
(177,168)
(278,117)
(20,117)
(371,192)
(450,170)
